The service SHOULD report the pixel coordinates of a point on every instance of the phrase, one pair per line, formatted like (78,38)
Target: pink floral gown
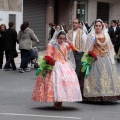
(60,85)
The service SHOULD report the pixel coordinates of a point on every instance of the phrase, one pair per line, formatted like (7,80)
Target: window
(103,11)
(12,18)
(82,11)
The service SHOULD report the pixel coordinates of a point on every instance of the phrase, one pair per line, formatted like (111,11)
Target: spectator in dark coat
(2,43)
(110,32)
(10,46)
(116,29)
(87,26)
(52,30)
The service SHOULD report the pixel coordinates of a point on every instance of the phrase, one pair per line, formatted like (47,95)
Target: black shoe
(27,69)
(14,69)
(118,61)
(0,68)
(7,69)
(21,70)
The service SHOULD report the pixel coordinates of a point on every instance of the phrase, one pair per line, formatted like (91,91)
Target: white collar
(75,30)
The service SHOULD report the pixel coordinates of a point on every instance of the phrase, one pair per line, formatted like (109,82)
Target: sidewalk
(18,59)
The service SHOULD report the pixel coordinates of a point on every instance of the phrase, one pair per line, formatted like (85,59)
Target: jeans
(25,58)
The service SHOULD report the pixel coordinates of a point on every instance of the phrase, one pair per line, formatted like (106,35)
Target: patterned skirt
(60,85)
(103,83)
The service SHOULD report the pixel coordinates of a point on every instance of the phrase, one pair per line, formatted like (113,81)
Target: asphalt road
(16,103)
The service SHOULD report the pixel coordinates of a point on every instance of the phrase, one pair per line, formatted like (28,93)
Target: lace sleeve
(70,56)
(89,43)
(84,39)
(111,50)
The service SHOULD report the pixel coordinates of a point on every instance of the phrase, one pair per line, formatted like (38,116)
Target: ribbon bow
(86,67)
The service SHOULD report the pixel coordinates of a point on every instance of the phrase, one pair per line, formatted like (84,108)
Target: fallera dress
(61,84)
(103,83)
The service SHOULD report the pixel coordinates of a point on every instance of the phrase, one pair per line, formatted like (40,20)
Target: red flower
(52,63)
(92,54)
(49,60)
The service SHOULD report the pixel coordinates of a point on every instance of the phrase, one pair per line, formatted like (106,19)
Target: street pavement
(16,104)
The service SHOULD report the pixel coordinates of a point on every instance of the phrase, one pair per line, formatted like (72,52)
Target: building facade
(11,11)
(104,9)
(42,12)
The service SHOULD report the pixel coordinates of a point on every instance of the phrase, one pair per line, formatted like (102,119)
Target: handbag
(15,54)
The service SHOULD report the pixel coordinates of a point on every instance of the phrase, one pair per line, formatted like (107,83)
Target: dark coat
(112,35)
(117,34)
(52,31)
(10,39)
(117,39)
(2,40)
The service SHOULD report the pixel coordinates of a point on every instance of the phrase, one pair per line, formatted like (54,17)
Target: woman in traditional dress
(103,83)
(83,27)
(61,84)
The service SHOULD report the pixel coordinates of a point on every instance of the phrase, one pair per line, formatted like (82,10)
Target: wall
(92,11)
(117,11)
(66,10)
(11,5)
(66,13)
(50,11)
(114,12)
(49,15)
(5,19)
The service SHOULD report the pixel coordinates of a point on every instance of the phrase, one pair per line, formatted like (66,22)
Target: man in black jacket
(2,43)
(110,32)
(117,35)
(52,30)
(10,46)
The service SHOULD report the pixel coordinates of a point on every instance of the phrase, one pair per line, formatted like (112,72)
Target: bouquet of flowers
(87,59)
(46,65)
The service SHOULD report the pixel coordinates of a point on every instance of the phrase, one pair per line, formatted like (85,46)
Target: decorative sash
(100,49)
(59,49)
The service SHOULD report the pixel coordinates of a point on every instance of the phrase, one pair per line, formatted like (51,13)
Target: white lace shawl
(92,39)
(70,55)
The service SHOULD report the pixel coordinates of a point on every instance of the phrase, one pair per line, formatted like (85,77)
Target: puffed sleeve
(70,46)
(50,50)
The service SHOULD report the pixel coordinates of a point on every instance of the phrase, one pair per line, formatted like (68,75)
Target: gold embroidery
(100,47)
(116,80)
(106,87)
(105,82)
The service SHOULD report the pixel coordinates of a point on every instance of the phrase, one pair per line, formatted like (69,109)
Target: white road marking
(44,116)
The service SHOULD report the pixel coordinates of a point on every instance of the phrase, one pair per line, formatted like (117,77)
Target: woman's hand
(67,40)
(55,59)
